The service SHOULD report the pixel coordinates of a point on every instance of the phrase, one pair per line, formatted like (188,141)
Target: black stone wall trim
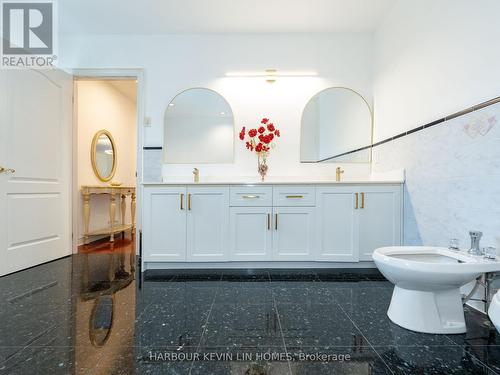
(422,127)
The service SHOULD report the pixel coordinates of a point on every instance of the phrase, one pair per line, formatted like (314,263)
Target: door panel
(164,231)
(379,219)
(251,233)
(208,224)
(293,237)
(337,230)
(35,136)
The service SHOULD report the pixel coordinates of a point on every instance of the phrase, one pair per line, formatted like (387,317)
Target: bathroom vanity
(276,224)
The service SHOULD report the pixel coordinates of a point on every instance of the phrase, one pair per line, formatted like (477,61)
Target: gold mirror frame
(93,150)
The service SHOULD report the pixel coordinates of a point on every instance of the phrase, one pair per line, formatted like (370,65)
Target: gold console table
(113,191)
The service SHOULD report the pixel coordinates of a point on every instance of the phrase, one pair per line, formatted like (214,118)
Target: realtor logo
(28,30)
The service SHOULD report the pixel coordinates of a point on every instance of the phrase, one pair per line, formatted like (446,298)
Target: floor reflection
(92,314)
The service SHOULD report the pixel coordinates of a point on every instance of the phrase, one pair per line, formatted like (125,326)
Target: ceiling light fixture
(272,74)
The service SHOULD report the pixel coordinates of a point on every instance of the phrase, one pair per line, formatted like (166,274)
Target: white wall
(173,63)
(433,58)
(101,106)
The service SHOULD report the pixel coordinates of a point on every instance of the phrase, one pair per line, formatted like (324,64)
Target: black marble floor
(90,314)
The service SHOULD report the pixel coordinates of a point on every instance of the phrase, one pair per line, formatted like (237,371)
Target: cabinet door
(251,233)
(164,228)
(208,224)
(379,218)
(337,230)
(293,233)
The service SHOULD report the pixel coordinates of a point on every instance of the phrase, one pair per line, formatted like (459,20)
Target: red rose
(267,139)
(261,137)
(270,136)
(270,127)
(277,133)
(264,121)
(261,130)
(252,133)
(258,148)
(242,133)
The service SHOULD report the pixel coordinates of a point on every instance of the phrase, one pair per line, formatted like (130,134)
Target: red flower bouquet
(260,140)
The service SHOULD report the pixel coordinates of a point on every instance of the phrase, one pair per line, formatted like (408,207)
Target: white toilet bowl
(427,281)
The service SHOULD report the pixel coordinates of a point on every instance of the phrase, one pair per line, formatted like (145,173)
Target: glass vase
(262,166)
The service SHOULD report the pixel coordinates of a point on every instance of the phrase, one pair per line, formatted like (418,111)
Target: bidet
(427,281)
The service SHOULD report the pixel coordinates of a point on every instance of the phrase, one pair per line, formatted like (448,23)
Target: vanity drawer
(251,196)
(294,195)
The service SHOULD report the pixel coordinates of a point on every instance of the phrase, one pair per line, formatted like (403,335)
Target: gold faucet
(196,173)
(338,172)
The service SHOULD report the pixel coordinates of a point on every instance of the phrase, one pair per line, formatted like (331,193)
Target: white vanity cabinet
(355,220)
(261,223)
(379,218)
(186,224)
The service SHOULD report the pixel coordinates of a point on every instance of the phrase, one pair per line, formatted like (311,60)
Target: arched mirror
(103,155)
(336,127)
(199,128)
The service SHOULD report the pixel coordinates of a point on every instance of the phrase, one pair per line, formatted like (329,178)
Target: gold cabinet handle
(189,202)
(182,201)
(7,170)
(250,197)
(357,201)
(294,196)
(276,221)
(268,221)
(362,200)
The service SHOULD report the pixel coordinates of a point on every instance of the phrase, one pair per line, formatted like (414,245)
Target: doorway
(105,163)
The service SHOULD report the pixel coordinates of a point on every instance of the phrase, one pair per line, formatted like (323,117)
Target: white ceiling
(220,16)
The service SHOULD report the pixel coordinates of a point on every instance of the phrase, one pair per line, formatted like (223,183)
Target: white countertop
(299,180)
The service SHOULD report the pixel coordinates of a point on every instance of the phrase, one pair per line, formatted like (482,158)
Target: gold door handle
(250,196)
(189,202)
(362,200)
(182,201)
(357,201)
(276,221)
(294,196)
(7,170)
(268,221)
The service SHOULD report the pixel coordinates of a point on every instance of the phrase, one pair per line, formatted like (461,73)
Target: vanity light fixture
(271,75)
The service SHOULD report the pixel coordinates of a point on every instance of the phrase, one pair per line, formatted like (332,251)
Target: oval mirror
(103,155)
(199,128)
(101,320)
(336,127)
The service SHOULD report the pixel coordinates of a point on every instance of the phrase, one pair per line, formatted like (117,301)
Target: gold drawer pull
(268,221)
(182,201)
(250,196)
(295,196)
(276,221)
(189,202)
(362,200)
(357,201)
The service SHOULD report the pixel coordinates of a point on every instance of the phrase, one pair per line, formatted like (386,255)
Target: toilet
(427,280)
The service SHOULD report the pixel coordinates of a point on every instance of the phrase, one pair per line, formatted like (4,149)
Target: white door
(293,236)
(208,223)
(379,218)
(35,141)
(337,225)
(164,229)
(251,233)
